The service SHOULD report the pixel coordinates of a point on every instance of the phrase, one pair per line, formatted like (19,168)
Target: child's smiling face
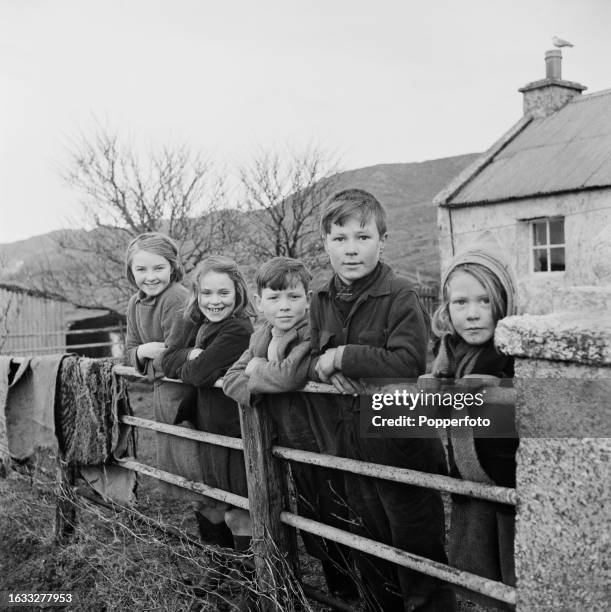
(217,296)
(152,272)
(354,249)
(470,308)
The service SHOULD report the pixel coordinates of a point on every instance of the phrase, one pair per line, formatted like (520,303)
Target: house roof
(45,295)
(569,150)
(74,312)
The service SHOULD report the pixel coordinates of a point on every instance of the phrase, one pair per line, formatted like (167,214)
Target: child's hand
(150,350)
(194,354)
(325,366)
(344,384)
(252,364)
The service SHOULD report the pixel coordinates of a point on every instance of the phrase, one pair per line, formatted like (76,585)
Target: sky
(372,82)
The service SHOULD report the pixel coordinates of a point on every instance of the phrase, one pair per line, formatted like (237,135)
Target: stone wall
(563,383)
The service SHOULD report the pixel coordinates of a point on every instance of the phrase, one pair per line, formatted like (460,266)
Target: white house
(544,190)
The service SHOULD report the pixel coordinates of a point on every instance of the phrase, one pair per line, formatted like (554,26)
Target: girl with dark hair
(220,308)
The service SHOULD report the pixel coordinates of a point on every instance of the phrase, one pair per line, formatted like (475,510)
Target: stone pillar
(563,382)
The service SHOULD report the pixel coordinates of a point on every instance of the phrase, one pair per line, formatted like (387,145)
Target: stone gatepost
(563,413)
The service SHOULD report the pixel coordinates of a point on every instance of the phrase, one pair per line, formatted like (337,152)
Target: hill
(406,190)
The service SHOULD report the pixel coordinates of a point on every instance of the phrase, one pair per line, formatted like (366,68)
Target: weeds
(120,559)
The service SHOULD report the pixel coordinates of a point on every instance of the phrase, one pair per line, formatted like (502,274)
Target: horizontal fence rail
(476,583)
(197,487)
(64,348)
(69,332)
(484,586)
(491,588)
(446,484)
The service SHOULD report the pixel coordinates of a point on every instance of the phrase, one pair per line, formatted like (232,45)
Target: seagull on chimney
(560,42)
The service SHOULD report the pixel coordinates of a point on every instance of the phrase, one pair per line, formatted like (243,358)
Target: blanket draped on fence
(91,400)
(73,401)
(28,388)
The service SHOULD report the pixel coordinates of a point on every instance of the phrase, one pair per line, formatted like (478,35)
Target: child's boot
(217,534)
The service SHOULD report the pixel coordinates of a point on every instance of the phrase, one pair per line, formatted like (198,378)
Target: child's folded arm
(403,355)
(176,355)
(289,374)
(173,359)
(176,329)
(211,363)
(235,381)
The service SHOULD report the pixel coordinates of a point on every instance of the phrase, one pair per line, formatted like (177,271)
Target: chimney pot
(544,97)
(553,64)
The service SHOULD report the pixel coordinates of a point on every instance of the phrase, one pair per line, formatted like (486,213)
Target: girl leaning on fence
(220,308)
(479,289)
(154,322)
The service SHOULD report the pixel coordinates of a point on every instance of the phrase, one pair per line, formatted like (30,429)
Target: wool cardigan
(156,319)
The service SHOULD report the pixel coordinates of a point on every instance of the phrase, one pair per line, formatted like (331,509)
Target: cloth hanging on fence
(30,405)
(91,400)
(112,483)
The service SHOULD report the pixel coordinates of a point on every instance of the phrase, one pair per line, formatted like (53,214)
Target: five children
(365,323)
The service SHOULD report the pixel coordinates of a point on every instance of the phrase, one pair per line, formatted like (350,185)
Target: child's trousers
(408,517)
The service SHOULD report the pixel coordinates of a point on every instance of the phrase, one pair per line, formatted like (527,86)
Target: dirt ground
(148,560)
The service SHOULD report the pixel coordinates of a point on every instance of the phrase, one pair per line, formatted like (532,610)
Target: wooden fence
(56,341)
(273,542)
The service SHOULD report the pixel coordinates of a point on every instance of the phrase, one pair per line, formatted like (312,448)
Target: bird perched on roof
(560,42)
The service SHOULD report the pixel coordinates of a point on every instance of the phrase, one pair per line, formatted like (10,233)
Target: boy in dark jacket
(368,323)
(276,362)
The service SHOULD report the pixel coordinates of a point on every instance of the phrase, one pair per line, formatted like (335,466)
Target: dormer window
(547,244)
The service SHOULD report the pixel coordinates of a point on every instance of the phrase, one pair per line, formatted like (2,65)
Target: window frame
(548,245)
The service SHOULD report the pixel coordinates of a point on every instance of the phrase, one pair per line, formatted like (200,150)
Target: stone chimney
(544,97)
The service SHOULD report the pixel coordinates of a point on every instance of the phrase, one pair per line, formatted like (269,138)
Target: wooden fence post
(65,510)
(274,545)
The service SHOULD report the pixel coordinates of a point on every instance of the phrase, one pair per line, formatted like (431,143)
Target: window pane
(539,232)
(557,259)
(540,260)
(556,231)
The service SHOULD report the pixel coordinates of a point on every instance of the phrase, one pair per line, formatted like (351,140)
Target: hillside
(406,190)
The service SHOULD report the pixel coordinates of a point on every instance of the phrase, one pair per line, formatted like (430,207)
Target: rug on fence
(87,414)
(91,400)
(30,402)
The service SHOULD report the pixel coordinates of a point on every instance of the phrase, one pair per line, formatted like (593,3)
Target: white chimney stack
(544,97)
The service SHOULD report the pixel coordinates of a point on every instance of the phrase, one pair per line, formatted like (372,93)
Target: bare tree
(124,194)
(283,195)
